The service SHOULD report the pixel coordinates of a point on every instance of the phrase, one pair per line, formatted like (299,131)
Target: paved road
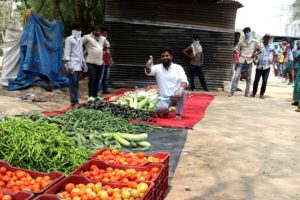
(244,149)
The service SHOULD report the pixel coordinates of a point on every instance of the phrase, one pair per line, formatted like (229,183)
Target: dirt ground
(244,149)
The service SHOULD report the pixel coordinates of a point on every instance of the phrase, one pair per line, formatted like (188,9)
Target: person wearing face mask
(171,82)
(195,52)
(94,43)
(289,69)
(266,58)
(74,61)
(249,48)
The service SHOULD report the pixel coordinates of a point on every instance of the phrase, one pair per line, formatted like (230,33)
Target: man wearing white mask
(74,61)
(249,48)
(195,53)
(94,43)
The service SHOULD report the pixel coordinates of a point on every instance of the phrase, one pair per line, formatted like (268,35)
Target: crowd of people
(91,54)
(284,58)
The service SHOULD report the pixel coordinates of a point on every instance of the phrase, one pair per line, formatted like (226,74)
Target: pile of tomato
(5,196)
(20,180)
(115,156)
(119,175)
(95,191)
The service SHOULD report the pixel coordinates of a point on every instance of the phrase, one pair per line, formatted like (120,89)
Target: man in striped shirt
(263,68)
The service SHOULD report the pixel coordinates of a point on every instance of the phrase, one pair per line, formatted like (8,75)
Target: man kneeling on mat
(171,81)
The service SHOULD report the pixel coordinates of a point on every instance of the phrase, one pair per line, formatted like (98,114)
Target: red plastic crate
(47,197)
(55,176)
(20,195)
(80,179)
(165,157)
(158,182)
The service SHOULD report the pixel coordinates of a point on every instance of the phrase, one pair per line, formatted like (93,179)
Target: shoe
(75,105)
(246,95)
(105,92)
(252,95)
(239,89)
(231,94)
(178,117)
(99,98)
(206,90)
(297,110)
(262,96)
(296,103)
(290,83)
(91,99)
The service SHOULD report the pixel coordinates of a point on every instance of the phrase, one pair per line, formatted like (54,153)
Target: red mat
(193,112)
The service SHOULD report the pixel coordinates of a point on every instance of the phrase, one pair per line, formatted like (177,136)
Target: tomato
(132,184)
(142,187)
(7,197)
(69,187)
(3,170)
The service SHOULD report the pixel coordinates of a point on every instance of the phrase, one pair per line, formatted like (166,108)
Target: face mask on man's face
(248,35)
(77,34)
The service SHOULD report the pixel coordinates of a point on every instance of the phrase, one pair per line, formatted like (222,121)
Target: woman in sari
(296,94)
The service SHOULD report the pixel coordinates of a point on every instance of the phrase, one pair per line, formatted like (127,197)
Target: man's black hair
(247,29)
(103,29)
(237,33)
(76,26)
(96,27)
(166,50)
(196,37)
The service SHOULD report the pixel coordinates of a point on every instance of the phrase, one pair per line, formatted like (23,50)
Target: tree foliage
(296,9)
(86,12)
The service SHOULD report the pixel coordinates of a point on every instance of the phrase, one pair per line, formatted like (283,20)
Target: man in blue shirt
(266,58)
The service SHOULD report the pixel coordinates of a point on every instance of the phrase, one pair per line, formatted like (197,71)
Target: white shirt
(168,81)
(94,46)
(247,49)
(74,52)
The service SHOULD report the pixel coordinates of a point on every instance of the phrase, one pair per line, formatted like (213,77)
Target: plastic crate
(47,197)
(55,176)
(20,195)
(158,182)
(80,179)
(165,158)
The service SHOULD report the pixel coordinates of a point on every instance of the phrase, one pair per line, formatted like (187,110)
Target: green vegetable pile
(95,129)
(124,112)
(139,100)
(39,146)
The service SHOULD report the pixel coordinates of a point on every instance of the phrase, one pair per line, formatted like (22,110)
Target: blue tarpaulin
(40,55)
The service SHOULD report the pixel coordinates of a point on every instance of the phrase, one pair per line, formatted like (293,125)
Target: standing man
(94,43)
(249,48)
(266,58)
(195,52)
(171,81)
(107,61)
(235,56)
(74,61)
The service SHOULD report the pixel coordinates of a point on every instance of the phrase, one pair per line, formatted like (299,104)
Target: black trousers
(73,87)
(265,76)
(94,72)
(197,69)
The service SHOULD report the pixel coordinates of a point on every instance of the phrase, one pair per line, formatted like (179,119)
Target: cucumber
(144,144)
(133,144)
(134,137)
(121,140)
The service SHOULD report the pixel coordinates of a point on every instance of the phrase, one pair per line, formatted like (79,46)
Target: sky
(264,16)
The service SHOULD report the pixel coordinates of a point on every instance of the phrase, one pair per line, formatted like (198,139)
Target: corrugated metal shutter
(140,29)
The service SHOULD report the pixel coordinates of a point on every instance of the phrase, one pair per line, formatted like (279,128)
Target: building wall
(142,28)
